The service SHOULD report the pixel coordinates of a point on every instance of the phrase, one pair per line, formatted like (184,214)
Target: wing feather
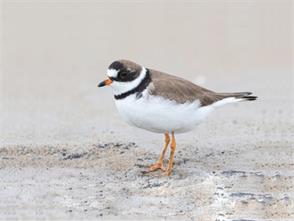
(180,90)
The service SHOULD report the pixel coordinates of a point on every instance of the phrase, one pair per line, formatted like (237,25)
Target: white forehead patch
(112,73)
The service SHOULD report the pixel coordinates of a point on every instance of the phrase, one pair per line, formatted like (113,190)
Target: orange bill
(104,83)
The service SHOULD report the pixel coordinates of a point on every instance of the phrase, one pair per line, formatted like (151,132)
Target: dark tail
(244,95)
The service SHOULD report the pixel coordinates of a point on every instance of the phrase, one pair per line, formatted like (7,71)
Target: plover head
(123,76)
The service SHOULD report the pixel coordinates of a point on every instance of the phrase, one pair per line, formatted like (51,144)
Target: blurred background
(53,54)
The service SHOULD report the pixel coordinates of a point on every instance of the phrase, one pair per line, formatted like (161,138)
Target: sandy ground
(59,182)
(66,154)
(62,182)
(237,166)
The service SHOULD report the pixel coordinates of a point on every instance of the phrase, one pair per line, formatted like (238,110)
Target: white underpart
(227,100)
(160,115)
(122,87)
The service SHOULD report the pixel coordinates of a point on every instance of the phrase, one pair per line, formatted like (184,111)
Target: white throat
(122,87)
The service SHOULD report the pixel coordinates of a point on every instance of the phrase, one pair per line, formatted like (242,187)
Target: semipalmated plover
(162,103)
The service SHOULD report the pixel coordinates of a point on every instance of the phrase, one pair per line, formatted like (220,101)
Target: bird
(163,103)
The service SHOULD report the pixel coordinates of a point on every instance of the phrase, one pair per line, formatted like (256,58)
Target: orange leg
(171,158)
(159,163)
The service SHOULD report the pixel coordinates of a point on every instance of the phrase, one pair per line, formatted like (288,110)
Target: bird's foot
(156,166)
(168,170)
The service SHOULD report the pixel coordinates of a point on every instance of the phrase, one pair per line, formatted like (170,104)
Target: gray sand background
(66,154)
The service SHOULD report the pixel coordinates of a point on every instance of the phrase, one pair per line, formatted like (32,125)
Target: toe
(156,166)
(167,172)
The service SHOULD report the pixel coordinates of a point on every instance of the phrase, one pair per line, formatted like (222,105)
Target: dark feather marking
(116,65)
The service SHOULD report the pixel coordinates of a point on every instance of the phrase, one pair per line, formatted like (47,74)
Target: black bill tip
(101,84)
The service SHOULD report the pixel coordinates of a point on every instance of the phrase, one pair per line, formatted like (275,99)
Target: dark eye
(122,74)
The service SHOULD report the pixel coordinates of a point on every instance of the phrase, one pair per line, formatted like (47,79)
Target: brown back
(180,90)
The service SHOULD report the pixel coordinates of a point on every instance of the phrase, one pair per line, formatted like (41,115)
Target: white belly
(159,115)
